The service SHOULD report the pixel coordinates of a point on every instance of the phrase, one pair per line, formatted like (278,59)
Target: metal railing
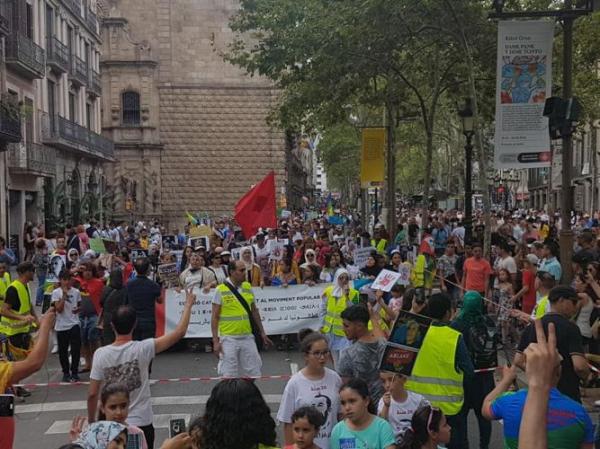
(60,131)
(79,71)
(32,157)
(10,120)
(91,20)
(95,86)
(25,54)
(57,54)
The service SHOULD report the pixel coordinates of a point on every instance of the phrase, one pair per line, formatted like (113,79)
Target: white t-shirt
(401,413)
(322,394)
(66,319)
(128,364)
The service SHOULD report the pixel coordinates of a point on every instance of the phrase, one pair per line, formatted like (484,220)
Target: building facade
(190,130)
(50,68)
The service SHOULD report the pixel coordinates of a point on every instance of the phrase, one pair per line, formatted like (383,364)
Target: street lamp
(468,129)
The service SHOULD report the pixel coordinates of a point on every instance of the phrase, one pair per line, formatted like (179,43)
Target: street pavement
(43,420)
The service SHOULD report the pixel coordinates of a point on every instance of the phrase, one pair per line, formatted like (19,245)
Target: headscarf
(472,310)
(71,252)
(338,290)
(100,434)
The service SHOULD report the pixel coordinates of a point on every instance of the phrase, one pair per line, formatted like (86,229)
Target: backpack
(482,341)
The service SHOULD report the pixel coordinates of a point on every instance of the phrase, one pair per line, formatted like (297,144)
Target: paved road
(43,420)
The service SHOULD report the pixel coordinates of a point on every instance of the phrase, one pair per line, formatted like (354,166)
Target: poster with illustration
(58,263)
(276,249)
(197,242)
(137,253)
(385,280)
(404,343)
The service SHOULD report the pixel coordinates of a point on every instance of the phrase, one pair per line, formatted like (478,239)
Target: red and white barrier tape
(155,381)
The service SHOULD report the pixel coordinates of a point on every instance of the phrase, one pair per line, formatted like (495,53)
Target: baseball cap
(532,259)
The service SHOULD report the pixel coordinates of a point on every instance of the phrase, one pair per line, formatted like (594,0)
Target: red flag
(257,207)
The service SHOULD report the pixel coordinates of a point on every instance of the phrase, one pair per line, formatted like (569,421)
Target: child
(306,422)
(429,429)
(66,300)
(114,406)
(397,405)
(503,295)
(396,300)
(361,428)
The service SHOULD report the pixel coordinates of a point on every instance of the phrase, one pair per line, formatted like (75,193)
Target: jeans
(69,338)
(39,294)
(458,436)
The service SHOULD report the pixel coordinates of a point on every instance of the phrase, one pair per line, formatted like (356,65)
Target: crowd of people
(99,287)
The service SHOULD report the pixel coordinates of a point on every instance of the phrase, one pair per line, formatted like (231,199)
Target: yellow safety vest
(380,247)
(4,283)
(234,319)
(418,272)
(335,306)
(382,324)
(434,374)
(540,308)
(11,327)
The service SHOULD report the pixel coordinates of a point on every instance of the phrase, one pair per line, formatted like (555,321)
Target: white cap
(532,259)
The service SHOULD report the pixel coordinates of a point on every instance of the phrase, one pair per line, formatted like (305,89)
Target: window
(29,20)
(131,108)
(72,108)
(88,116)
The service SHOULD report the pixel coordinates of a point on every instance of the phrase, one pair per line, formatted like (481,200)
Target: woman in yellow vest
(336,298)
(4,281)
(237,417)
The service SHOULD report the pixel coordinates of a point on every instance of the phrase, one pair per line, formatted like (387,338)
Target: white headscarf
(338,290)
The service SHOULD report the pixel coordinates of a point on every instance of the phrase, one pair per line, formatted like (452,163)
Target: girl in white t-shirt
(314,385)
(397,405)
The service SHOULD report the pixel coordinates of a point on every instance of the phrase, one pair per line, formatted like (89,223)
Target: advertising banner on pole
(523,83)
(372,157)
(283,310)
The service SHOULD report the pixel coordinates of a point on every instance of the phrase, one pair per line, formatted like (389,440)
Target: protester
(128,361)
(197,274)
(142,295)
(115,297)
(103,435)
(361,359)
(314,385)
(477,272)
(361,427)
(66,300)
(91,288)
(306,423)
(232,328)
(428,428)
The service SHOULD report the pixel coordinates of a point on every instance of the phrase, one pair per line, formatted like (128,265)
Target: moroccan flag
(257,207)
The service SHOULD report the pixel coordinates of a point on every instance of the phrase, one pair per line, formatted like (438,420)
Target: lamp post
(467,121)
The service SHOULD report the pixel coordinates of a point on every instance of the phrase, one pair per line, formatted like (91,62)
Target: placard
(403,345)
(137,253)
(404,269)
(282,310)
(169,242)
(361,255)
(169,275)
(57,264)
(196,242)
(276,249)
(200,231)
(385,280)
(97,245)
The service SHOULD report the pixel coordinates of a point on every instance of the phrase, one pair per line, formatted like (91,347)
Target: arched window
(131,108)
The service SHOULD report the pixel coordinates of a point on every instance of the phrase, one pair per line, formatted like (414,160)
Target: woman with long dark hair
(237,417)
(429,429)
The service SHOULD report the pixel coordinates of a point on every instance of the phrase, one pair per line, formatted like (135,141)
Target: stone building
(50,70)
(189,129)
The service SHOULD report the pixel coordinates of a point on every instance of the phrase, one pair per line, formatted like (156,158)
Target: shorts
(89,330)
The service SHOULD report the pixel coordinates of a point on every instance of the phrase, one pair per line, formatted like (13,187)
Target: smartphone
(176,426)
(7,405)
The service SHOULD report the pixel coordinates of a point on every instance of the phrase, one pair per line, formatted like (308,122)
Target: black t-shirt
(12,298)
(142,294)
(568,342)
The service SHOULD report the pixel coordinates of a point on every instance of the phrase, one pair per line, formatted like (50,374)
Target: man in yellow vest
(442,366)
(378,242)
(233,340)
(17,314)
(4,281)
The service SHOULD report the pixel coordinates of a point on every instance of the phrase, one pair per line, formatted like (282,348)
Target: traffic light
(563,116)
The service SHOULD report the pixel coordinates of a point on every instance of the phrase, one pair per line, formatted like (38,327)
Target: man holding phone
(66,300)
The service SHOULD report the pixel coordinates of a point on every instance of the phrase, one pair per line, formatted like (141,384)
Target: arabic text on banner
(523,83)
(283,310)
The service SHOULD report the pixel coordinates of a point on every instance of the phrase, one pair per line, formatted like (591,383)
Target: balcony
(5,12)
(57,55)
(59,132)
(25,56)
(74,6)
(32,159)
(10,120)
(79,72)
(91,21)
(94,85)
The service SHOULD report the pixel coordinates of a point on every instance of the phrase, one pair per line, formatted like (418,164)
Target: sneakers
(66,378)
(54,349)
(75,378)
(22,392)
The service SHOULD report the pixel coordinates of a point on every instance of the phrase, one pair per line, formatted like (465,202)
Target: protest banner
(97,245)
(283,310)
(169,275)
(404,343)
(523,83)
(385,280)
(136,253)
(361,255)
(276,250)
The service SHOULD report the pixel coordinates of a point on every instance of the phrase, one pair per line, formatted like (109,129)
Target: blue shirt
(553,267)
(568,424)
(378,435)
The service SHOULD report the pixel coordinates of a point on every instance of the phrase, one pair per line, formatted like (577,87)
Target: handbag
(254,326)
